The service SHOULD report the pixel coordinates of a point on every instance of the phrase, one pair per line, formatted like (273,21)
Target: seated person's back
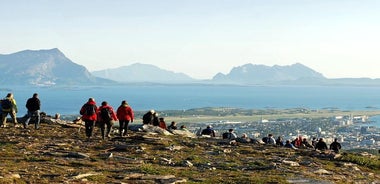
(208,131)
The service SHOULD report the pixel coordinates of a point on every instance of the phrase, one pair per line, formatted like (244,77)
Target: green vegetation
(369,161)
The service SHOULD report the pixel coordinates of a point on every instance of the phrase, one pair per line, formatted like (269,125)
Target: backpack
(105,114)
(6,104)
(90,109)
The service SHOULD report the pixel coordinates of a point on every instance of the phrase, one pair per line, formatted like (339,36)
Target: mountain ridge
(138,72)
(49,67)
(44,67)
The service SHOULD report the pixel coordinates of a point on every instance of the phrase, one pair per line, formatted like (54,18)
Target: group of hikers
(299,142)
(151,118)
(105,116)
(8,106)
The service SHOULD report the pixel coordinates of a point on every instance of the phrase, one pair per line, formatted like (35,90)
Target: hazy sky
(338,38)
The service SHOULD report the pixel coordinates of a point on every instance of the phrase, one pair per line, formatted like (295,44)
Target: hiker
(244,139)
(33,105)
(8,106)
(150,117)
(229,135)
(297,142)
(269,140)
(88,112)
(288,144)
(125,115)
(162,123)
(184,128)
(321,145)
(335,146)
(172,126)
(208,131)
(106,116)
(306,144)
(279,141)
(314,142)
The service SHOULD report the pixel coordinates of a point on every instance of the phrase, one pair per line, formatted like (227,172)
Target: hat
(125,103)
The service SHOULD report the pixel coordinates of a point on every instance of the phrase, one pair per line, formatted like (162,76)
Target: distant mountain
(44,68)
(143,73)
(261,74)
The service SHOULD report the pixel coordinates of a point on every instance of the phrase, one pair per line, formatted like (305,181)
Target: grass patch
(371,162)
(149,169)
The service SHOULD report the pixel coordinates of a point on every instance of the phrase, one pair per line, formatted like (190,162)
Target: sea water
(68,100)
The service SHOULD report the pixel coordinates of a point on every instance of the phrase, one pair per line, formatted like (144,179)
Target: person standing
(125,115)
(8,106)
(33,105)
(89,116)
(106,116)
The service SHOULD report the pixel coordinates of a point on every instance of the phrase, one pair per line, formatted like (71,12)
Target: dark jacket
(208,131)
(335,146)
(321,146)
(33,104)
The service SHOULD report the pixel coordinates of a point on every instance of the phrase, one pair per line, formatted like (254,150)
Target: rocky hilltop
(58,153)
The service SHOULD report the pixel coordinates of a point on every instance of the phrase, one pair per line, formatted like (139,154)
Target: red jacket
(110,109)
(125,113)
(85,117)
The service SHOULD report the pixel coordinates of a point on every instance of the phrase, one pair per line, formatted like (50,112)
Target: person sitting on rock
(335,146)
(279,141)
(297,142)
(230,135)
(314,142)
(149,117)
(183,128)
(162,123)
(306,144)
(172,126)
(208,131)
(288,144)
(269,140)
(244,139)
(321,145)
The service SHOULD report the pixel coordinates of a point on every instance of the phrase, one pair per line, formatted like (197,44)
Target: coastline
(238,116)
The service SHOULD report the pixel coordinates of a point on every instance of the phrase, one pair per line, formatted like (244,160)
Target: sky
(338,38)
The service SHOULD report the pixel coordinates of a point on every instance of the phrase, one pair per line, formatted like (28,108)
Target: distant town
(353,132)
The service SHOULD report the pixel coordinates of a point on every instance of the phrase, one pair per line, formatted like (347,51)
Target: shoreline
(199,115)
